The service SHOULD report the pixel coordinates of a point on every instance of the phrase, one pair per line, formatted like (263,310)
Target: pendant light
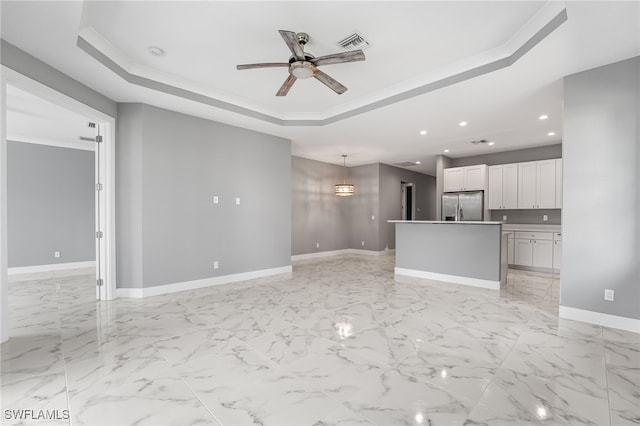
(345,189)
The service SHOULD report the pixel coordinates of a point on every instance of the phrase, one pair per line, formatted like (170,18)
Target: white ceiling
(413,44)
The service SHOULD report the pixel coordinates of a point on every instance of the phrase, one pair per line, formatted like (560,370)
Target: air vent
(406,164)
(478,142)
(355,41)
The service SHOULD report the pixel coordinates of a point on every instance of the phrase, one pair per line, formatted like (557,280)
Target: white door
(452,179)
(510,186)
(546,185)
(495,188)
(474,178)
(527,185)
(523,252)
(543,253)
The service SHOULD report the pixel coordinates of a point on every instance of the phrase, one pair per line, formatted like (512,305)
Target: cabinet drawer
(534,235)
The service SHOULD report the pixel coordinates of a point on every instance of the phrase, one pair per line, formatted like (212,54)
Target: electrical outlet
(216,265)
(56,254)
(363,244)
(608,295)
(373,217)
(215,199)
(238,201)
(545,217)
(317,245)
(504,217)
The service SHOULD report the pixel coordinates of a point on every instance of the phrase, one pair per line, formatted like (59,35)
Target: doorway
(408,201)
(103,135)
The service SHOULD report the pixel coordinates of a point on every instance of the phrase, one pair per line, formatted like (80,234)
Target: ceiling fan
(304,65)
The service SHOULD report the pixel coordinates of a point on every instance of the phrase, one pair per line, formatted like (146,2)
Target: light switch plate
(56,254)
(216,265)
(215,199)
(238,201)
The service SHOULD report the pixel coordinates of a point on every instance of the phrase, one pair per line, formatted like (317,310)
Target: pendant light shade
(345,189)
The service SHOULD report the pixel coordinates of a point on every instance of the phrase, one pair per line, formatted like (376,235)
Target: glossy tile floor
(339,341)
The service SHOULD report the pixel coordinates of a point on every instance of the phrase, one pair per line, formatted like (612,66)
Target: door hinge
(99,234)
(98,187)
(98,138)
(99,282)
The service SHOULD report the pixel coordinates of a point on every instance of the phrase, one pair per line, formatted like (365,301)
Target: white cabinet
(503,187)
(557,251)
(559,183)
(534,249)
(511,250)
(537,185)
(471,178)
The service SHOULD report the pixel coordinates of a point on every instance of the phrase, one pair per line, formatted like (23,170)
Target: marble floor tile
(339,341)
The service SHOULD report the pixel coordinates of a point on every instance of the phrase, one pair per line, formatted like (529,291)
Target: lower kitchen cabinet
(557,251)
(534,249)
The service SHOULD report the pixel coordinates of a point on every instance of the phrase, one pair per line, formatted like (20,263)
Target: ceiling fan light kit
(303,65)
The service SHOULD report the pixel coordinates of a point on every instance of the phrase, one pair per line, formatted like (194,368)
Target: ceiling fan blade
(284,89)
(292,42)
(338,58)
(330,83)
(262,65)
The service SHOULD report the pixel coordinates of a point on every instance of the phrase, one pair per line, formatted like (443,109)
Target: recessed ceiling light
(543,117)
(417,162)
(551,134)
(491,143)
(155,51)
(446,150)
(423,132)
(463,123)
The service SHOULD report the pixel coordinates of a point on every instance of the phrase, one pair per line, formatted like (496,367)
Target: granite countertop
(531,227)
(448,222)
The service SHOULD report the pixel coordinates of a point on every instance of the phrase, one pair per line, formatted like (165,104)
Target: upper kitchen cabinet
(559,183)
(503,187)
(537,185)
(470,178)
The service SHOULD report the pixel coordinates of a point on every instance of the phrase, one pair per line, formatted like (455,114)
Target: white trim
(598,318)
(82,145)
(456,279)
(320,254)
(206,282)
(342,252)
(50,268)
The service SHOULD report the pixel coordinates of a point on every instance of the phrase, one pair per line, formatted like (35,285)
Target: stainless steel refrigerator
(459,206)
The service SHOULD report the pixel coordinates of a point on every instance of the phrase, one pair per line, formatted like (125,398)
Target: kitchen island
(469,253)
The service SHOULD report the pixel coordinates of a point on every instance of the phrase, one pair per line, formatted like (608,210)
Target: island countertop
(449,222)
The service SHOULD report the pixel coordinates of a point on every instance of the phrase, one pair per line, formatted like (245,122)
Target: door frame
(412,213)
(106,174)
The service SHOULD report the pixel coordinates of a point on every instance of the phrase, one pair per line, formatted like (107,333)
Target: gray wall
(317,215)
(363,205)
(50,204)
(554,216)
(601,205)
(20,61)
(505,157)
(179,163)
(391,178)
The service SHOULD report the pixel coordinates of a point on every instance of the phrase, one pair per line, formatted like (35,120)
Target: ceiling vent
(355,41)
(479,142)
(406,164)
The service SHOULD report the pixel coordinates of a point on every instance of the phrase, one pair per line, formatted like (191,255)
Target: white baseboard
(50,268)
(598,318)
(195,284)
(342,252)
(455,279)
